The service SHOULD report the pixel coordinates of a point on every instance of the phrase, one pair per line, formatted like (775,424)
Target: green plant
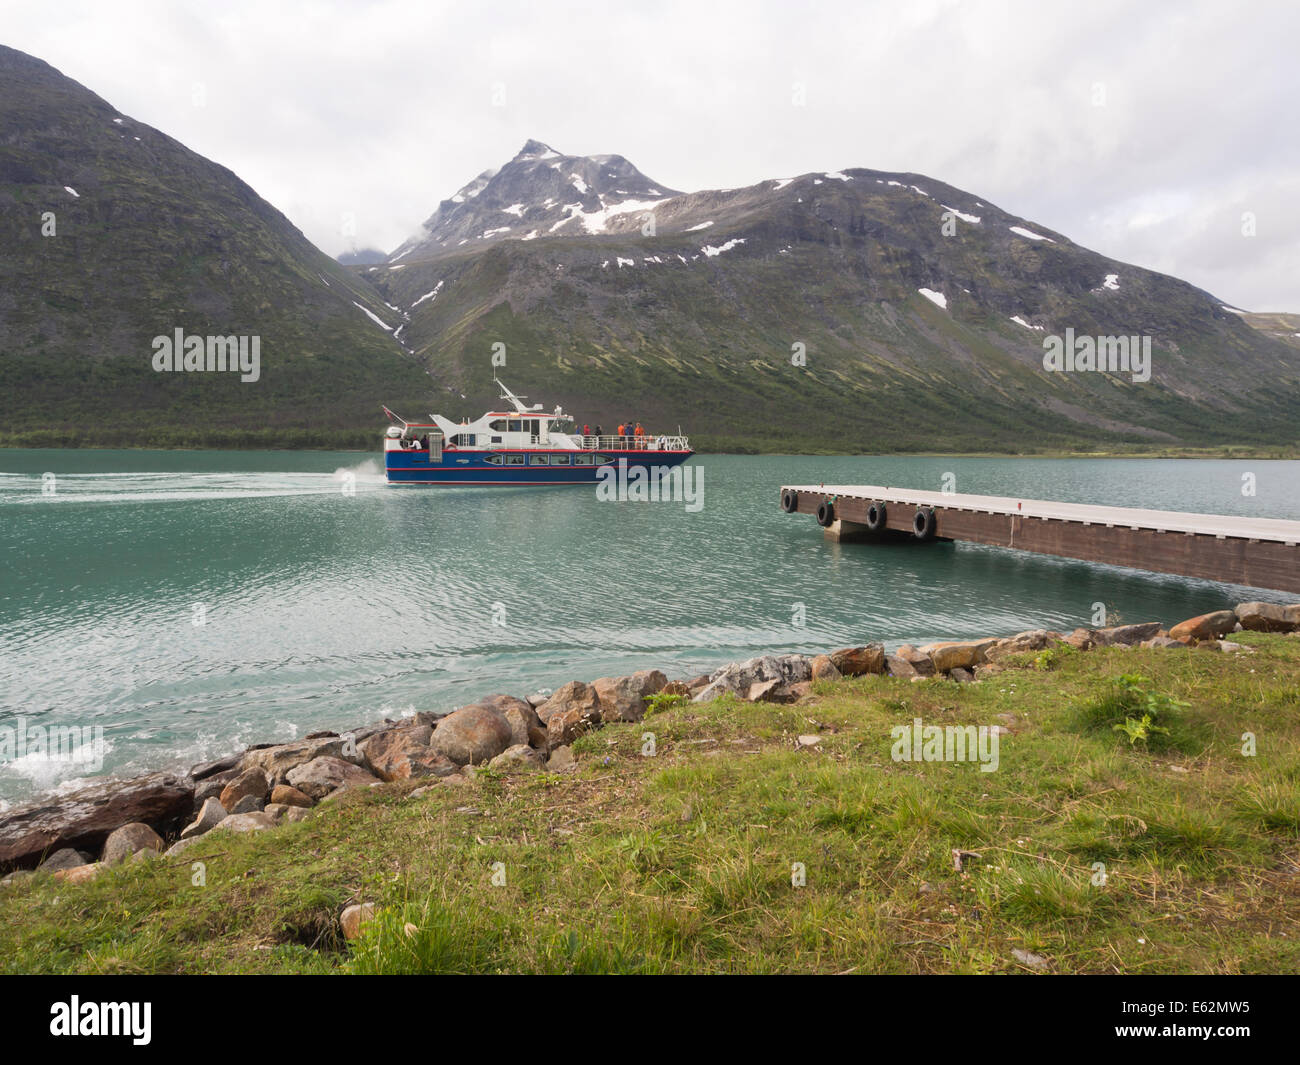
(1139,731)
(661,701)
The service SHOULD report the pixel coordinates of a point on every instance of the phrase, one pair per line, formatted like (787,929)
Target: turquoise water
(325,608)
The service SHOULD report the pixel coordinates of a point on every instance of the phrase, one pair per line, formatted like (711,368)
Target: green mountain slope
(696,320)
(152,238)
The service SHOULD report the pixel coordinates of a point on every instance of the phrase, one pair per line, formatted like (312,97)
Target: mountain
(538,194)
(114,234)
(857,310)
(362,257)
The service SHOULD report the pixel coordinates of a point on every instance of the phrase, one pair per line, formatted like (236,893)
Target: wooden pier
(1256,552)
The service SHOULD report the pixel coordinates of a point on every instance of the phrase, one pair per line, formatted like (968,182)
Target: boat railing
(648,442)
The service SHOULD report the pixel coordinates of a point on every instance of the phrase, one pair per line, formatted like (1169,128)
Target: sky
(1161,134)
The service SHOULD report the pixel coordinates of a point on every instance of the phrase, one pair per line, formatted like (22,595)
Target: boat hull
(473,467)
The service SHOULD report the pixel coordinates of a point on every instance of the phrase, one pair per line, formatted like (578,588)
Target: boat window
(584,460)
(539,460)
(602,459)
(514,425)
(496,440)
(533,423)
(499,425)
(495,460)
(514,460)
(559,460)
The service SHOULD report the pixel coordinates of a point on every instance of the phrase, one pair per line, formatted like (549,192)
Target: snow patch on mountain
(431,295)
(373,317)
(937,298)
(1021,231)
(711,251)
(1020,321)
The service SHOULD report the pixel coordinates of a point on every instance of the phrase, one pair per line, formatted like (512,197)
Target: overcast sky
(1144,130)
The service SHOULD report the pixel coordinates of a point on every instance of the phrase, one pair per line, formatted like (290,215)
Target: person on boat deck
(599,431)
(586,430)
(621,427)
(640,436)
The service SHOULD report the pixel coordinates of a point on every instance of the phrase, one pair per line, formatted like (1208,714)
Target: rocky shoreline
(74,837)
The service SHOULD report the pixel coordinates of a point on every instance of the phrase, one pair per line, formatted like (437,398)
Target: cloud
(1140,131)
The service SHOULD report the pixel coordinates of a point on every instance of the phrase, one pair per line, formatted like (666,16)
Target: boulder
(211,815)
(561,760)
(64,858)
(856,661)
(1082,639)
(288,795)
(206,769)
(254,822)
(212,787)
(961,674)
(249,804)
(472,734)
(566,726)
(79,874)
(402,754)
(354,918)
(824,669)
(520,756)
(624,698)
(1204,626)
(989,669)
(1032,640)
(957,654)
(181,846)
(252,781)
(277,762)
(574,695)
(128,840)
(1292,614)
(739,678)
(898,666)
(789,693)
(1264,617)
(320,776)
(85,818)
(525,725)
(917,659)
(1162,641)
(1127,635)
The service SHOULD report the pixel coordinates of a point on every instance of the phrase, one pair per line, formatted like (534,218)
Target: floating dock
(1256,552)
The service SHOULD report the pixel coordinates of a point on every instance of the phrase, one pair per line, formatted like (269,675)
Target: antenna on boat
(516,401)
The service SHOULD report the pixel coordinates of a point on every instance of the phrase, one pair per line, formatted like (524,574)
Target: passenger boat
(518,446)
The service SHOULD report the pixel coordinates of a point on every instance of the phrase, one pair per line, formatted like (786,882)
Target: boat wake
(47,489)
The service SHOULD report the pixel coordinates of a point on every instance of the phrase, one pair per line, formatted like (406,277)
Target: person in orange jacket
(640,436)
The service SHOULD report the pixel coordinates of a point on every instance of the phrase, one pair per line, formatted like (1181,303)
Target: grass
(1100,855)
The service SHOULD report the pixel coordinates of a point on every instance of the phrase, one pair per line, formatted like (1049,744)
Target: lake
(192,602)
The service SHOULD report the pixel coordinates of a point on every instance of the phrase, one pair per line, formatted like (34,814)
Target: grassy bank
(682,862)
